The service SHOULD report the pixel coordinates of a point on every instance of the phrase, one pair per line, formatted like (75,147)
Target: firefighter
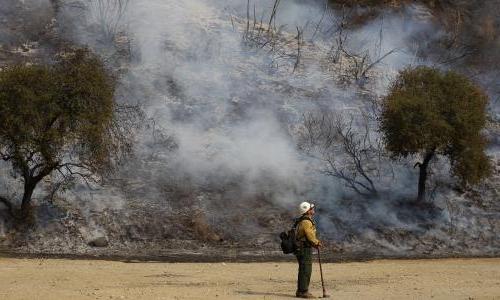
(306,240)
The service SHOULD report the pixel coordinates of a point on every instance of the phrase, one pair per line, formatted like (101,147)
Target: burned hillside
(229,93)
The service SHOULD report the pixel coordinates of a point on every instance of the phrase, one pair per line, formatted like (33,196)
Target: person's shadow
(250,293)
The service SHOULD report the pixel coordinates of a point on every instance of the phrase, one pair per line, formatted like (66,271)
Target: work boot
(306,295)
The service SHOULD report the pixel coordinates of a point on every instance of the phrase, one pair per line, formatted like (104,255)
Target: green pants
(304,258)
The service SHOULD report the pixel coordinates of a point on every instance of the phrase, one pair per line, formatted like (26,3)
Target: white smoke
(228,120)
(233,110)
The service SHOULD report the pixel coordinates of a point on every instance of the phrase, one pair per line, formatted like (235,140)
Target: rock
(100,241)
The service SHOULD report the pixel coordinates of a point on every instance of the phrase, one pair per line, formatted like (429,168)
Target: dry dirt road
(383,279)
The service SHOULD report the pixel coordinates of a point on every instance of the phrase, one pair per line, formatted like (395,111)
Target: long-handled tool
(321,272)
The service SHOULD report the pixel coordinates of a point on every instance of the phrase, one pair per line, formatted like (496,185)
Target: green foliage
(86,99)
(57,118)
(427,110)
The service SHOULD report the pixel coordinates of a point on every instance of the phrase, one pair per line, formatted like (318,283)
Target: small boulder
(100,241)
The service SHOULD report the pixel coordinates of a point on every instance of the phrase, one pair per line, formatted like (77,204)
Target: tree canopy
(429,112)
(57,117)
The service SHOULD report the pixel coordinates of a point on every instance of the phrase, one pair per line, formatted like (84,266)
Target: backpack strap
(296,223)
(302,218)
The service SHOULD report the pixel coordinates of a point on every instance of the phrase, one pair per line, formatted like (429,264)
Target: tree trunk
(423,175)
(29,188)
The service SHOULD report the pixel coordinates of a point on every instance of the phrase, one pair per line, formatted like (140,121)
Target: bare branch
(273,15)
(299,43)
(367,68)
(108,14)
(346,152)
(320,21)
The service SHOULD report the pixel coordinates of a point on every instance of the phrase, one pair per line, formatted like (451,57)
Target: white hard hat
(305,207)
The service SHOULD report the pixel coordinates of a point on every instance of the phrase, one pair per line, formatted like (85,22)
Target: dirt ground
(383,279)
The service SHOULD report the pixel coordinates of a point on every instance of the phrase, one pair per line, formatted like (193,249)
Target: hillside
(219,163)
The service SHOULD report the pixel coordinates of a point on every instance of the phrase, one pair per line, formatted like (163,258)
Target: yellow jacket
(306,231)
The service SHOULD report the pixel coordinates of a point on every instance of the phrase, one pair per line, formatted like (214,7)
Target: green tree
(430,113)
(58,118)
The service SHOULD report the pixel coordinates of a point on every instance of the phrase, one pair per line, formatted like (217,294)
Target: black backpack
(288,241)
